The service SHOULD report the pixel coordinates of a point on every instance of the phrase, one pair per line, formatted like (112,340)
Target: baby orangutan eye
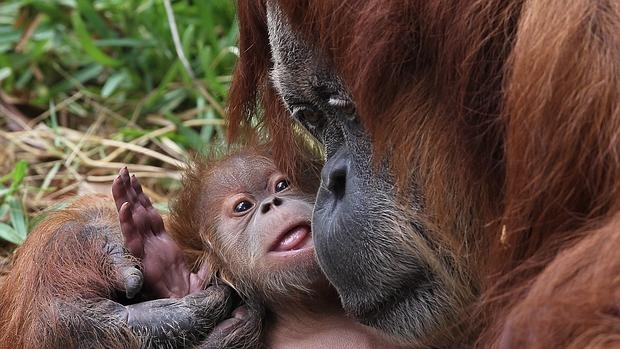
(242,206)
(281,185)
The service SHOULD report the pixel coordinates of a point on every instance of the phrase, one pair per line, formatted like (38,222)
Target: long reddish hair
(519,99)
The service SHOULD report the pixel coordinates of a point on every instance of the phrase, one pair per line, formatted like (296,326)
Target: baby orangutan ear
(211,267)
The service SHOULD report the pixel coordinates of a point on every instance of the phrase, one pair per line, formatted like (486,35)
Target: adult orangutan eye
(308,116)
(345,106)
(242,206)
(281,185)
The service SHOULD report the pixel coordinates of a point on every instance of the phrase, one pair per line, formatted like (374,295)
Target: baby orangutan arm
(70,283)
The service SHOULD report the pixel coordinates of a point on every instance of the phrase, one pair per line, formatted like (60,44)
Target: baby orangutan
(250,224)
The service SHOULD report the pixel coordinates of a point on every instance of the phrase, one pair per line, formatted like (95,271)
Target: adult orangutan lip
(292,239)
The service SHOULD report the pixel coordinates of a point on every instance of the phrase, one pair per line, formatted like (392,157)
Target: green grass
(88,86)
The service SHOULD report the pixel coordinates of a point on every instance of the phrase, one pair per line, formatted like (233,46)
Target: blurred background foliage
(89,86)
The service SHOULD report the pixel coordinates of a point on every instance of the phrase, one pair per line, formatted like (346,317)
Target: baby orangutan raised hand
(165,271)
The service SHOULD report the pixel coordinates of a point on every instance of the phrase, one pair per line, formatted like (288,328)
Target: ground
(87,87)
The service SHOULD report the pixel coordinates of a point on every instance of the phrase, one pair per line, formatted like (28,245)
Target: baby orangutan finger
(139,193)
(120,188)
(134,240)
(153,217)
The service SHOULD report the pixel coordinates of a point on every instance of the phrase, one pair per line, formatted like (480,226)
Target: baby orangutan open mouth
(293,239)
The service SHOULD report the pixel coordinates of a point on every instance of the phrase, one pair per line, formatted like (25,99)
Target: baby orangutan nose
(267,205)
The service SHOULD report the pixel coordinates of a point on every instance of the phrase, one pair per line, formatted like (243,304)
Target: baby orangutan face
(261,240)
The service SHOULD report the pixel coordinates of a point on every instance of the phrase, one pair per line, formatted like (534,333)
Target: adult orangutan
(472,182)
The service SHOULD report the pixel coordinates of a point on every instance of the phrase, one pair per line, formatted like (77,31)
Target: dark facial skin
(364,234)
